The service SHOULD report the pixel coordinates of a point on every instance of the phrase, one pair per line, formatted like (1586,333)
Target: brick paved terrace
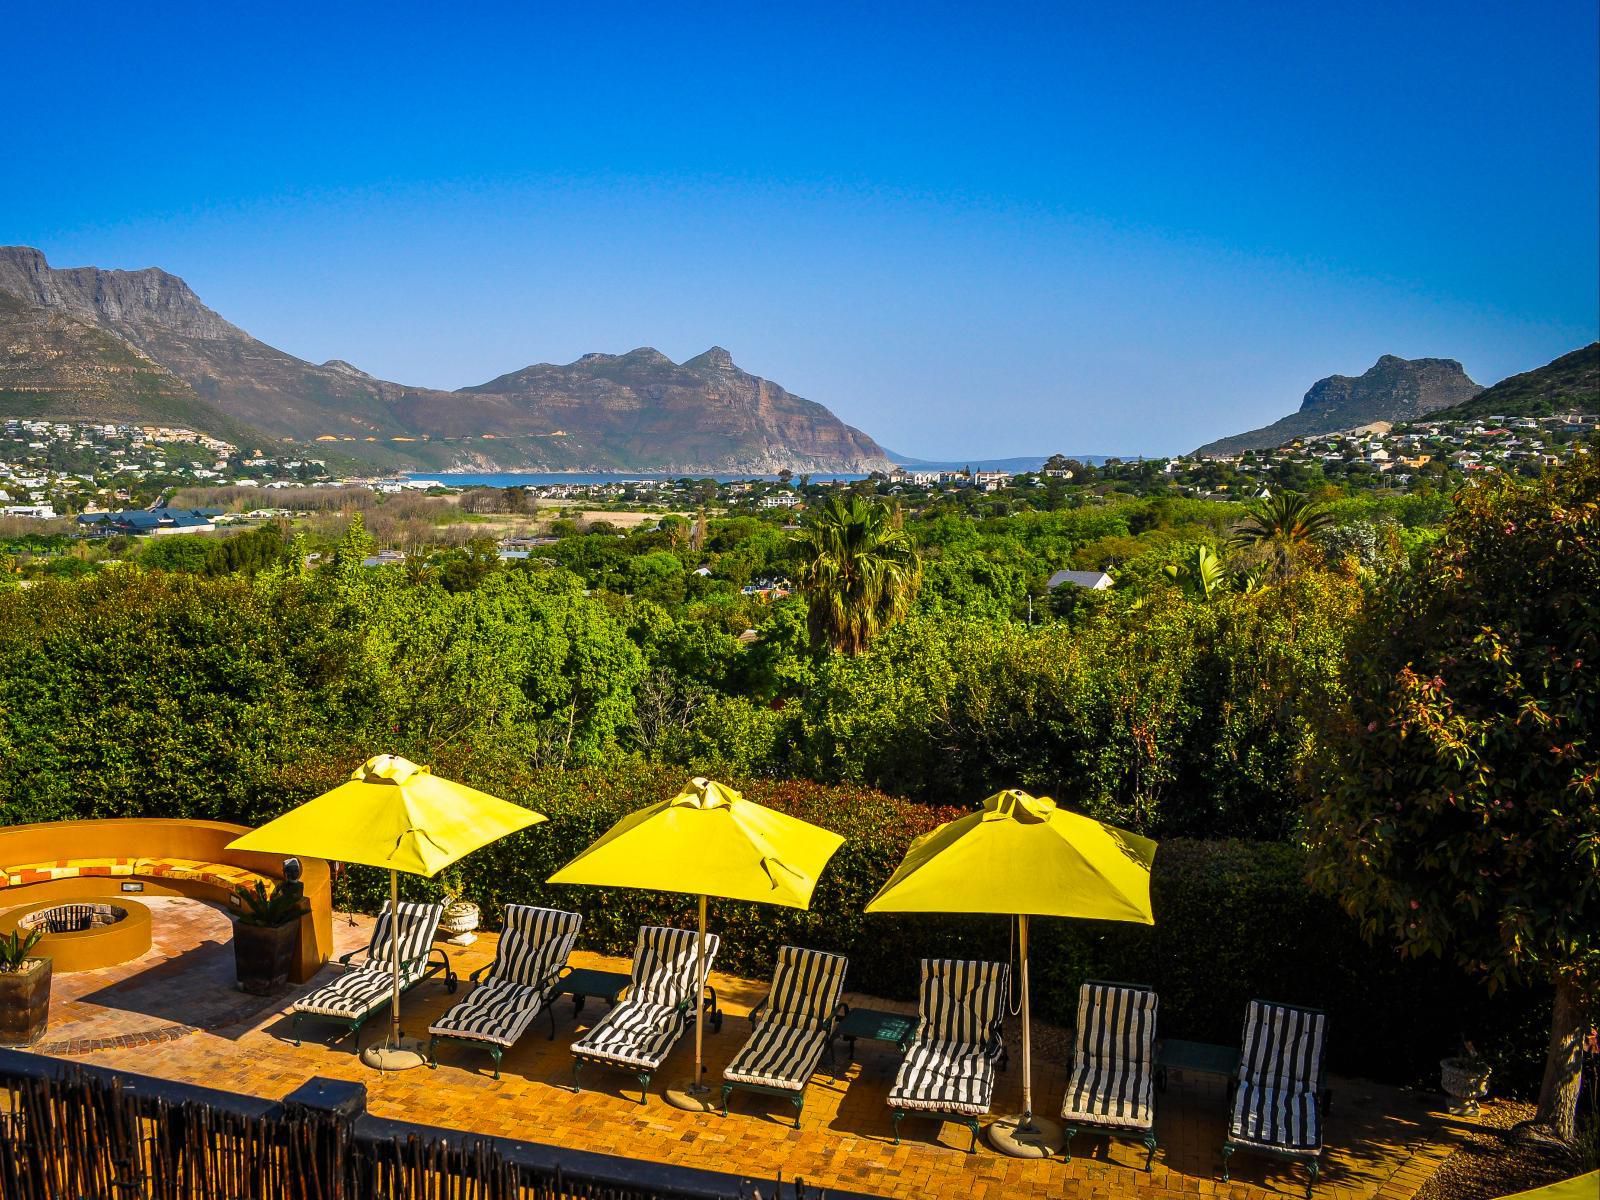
(174,1013)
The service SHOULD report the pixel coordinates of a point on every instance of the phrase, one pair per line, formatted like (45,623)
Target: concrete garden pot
(25,1003)
(460,919)
(1465,1081)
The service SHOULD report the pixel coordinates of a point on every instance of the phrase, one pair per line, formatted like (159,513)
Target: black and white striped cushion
(663,965)
(368,984)
(1280,1074)
(793,1033)
(493,1012)
(533,947)
(640,1030)
(1113,1066)
(950,1064)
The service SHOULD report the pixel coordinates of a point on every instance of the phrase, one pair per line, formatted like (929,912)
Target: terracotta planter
(263,955)
(25,1003)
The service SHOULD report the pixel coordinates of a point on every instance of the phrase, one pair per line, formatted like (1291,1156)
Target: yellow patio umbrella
(708,840)
(392,814)
(1021,855)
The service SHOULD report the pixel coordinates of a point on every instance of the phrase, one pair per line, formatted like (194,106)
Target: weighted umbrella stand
(1026,1135)
(694,1095)
(396,1052)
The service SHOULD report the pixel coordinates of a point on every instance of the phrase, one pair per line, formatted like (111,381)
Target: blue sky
(971,230)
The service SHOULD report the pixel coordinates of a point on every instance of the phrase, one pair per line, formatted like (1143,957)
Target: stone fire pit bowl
(80,935)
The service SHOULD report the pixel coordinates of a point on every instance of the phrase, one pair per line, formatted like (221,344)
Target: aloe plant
(261,907)
(16,948)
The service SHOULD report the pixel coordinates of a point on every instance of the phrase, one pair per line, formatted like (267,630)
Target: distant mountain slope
(1393,389)
(627,409)
(55,367)
(637,411)
(1569,384)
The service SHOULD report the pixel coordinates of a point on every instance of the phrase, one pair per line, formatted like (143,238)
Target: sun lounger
(1112,1084)
(793,1026)
(1280,1098)
(519,983)
(949,1066)
(368,986)
(639,1032)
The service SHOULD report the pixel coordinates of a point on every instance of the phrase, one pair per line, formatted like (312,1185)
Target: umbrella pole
(1024,1136)
(394,962)
(394,1054)
(1027,1125)
(699,994)
(694,1095)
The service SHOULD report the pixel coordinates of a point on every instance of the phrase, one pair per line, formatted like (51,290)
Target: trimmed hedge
(1234,920)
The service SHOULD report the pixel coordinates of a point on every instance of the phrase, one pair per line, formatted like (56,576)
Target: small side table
(1199,1058)
(583,982)
(894,1028)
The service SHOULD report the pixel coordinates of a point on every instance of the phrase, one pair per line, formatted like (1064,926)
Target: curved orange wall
(142,837)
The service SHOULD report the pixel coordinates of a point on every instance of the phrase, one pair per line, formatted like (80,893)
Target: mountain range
(140,346)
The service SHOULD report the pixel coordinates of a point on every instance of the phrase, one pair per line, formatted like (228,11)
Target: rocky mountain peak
(146,300)
(714,359)
(1392,389)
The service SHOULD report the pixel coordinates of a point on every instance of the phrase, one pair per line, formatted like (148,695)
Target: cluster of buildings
(53,468)
(1400,453)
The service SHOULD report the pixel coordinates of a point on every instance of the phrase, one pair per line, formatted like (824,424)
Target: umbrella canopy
(708,840)
(1021,855)
(393,814)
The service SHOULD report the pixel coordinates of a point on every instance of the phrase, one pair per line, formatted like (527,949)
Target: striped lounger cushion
(793,1034)
(362,988)
(533,948)
(1113,1066)
(1280,1075)
(640,1030)
(950,1064)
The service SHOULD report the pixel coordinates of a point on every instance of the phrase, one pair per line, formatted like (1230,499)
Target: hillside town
(51,470)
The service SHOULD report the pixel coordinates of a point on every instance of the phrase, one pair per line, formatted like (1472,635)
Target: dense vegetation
(234,677)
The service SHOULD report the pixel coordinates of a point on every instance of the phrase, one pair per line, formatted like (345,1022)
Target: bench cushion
(219,875)
(66,868)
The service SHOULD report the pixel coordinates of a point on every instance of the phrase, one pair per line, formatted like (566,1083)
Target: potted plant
(24,989)
(265,938)
(1464,1078)
(461,916)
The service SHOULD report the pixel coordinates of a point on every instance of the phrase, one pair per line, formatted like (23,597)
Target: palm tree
(1279,528)
(1289,518)
(859,571)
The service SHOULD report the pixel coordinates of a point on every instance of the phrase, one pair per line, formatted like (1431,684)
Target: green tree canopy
(1457,810)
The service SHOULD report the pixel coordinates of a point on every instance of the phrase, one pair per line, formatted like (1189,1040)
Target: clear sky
(972,230)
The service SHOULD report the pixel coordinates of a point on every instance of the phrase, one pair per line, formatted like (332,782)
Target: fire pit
(80,935)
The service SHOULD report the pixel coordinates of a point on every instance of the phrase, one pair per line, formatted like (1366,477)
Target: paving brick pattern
(1383,1144)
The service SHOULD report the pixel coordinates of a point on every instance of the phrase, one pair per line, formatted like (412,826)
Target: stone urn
(24,1002)
(461,918)
(1466,1081)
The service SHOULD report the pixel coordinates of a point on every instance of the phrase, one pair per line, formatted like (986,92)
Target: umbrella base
(1040,1140)
(395,1056)
(694,1097)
